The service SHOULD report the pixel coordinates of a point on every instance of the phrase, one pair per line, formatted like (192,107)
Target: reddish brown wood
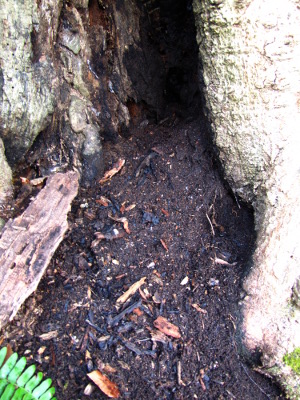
(28,242)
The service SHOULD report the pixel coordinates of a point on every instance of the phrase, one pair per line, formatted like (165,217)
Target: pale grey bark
(250,51)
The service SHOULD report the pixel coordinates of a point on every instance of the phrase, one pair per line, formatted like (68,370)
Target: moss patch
(293,360)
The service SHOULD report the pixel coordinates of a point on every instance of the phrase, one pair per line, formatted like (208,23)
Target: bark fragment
(28,242)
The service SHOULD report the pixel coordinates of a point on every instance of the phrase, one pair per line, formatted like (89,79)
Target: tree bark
(250,55)
(28,242)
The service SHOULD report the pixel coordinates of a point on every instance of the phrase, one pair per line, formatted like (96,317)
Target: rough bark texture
(27,94)
(250,52)
(28,242)
(5,176)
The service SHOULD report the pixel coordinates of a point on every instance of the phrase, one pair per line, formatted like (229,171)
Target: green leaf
(34,381)
(8,392)
(8,366)
(17,370)
(18,385)
(27,374)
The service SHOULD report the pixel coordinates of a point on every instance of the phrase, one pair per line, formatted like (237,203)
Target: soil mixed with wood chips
(166,223)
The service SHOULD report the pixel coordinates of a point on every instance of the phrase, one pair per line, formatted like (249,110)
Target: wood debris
(198,308)
(123,220)
(133,288)
(28,242)
(104,384)
(49,335)
(115,169)
(164,244)
(114,321)
(103,201)
(166,327)
(115,234)
(223,262)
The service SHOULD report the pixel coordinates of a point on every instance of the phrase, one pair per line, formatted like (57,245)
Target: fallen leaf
(166,327)
(115,169)
(108,387)
(133,288)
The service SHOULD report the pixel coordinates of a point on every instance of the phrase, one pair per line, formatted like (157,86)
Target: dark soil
(184,222)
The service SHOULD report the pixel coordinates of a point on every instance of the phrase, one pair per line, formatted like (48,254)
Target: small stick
(114,321)
(211,225)
(179,380)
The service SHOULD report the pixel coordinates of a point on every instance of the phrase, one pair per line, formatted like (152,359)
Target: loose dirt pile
(166,221)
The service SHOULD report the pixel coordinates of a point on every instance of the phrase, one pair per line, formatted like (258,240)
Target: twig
(114,321)
(211,225)
(253,381)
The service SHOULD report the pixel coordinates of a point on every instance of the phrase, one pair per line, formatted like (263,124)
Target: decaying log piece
(28,242)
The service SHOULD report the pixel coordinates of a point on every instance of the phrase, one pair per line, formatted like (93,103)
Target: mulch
(167,221)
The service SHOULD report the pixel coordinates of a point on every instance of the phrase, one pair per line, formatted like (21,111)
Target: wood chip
(158,336)
(166,327)
(133,288)
(108,387)
(115,169)
(223,262)
(49,335)
(103,201)
(198,308)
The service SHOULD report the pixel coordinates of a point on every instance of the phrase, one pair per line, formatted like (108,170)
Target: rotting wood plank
(28,242)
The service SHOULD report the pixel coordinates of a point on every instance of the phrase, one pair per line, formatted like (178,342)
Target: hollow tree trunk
(250,51)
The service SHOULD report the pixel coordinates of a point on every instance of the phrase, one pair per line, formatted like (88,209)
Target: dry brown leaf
(133,288)
(166,327)
(108,387)
(115,169)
